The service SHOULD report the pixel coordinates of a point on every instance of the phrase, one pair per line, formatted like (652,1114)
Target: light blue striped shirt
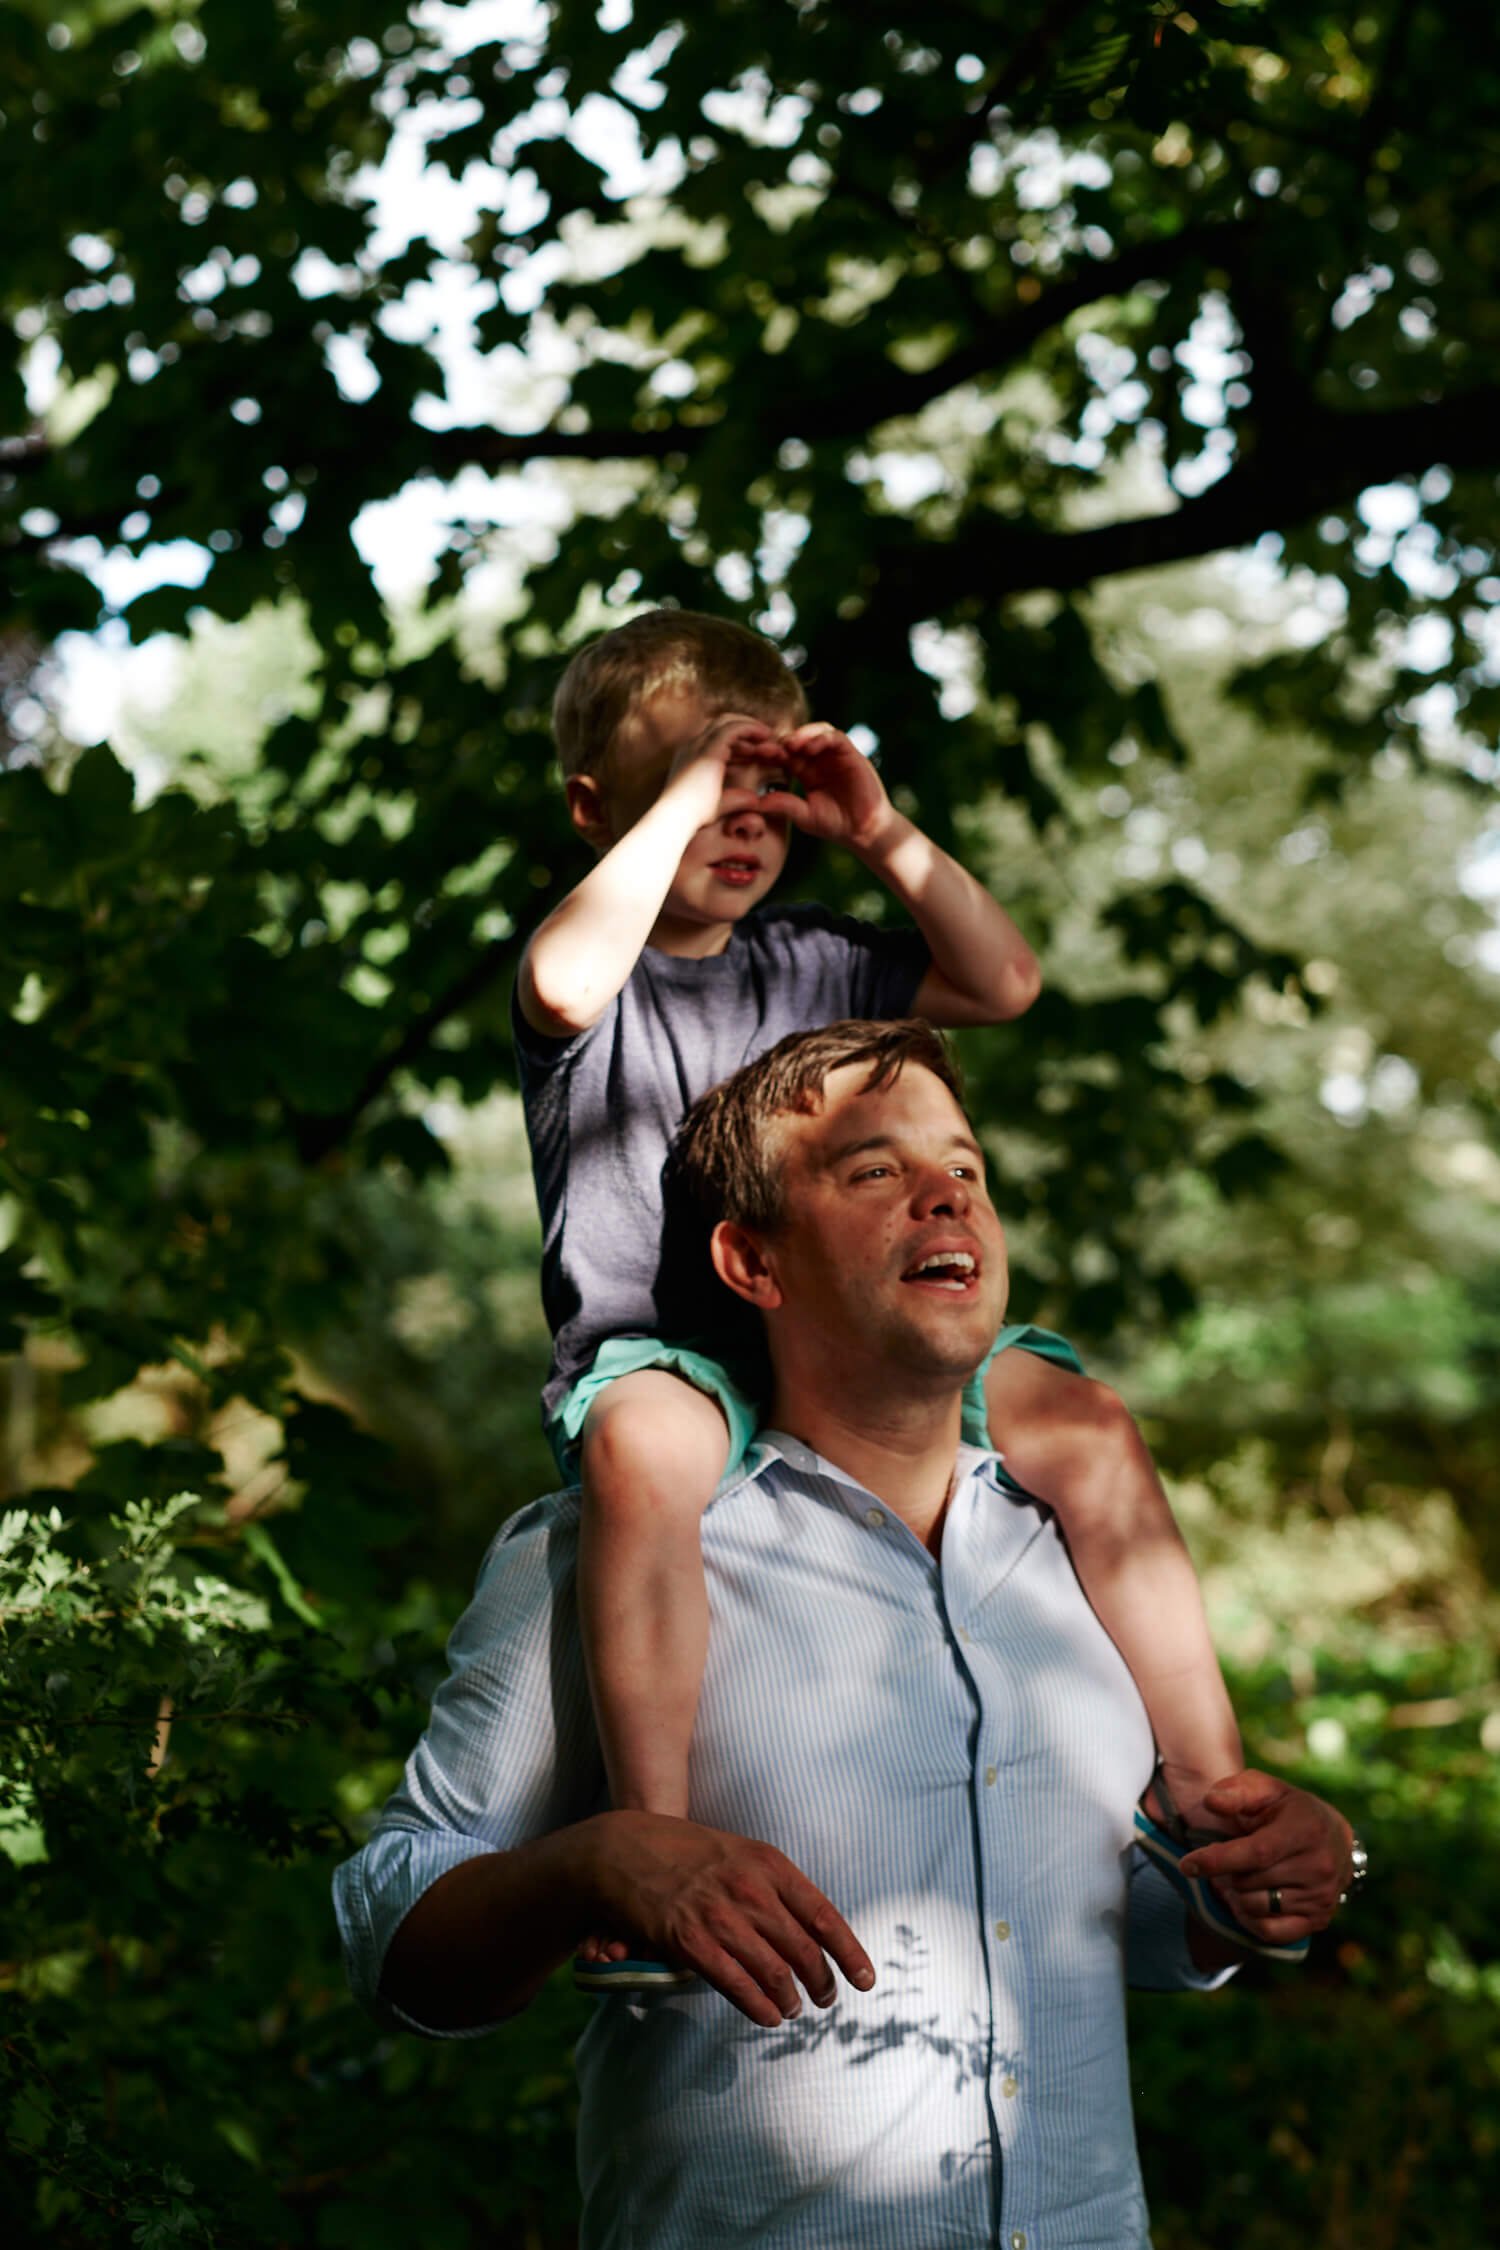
(952,1751)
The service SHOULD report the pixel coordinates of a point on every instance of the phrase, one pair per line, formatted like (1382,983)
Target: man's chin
(947,1353)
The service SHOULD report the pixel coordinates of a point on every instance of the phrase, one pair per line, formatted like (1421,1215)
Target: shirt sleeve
(1157,1958)
(886,968)
(837,966)
(538,1053)
(509,1752)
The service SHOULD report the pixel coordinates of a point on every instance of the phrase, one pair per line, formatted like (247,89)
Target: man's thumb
(1249,1797)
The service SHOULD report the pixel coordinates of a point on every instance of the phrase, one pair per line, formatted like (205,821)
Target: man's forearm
(481,1942)
(981,958)
(486,1936)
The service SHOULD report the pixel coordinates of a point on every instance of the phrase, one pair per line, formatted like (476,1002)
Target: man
(905,1688)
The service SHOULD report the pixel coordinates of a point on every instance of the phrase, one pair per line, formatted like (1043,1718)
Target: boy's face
(732,863)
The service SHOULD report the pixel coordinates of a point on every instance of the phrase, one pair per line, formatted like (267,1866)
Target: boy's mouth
(737,870)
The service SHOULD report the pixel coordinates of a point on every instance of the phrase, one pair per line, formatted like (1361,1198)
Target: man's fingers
(719,1968)
(1245,1870)
(763,1950)
(771,1970)
(738,1912)
(1243,1857)
(1267,1856)
(804,1957)
(822,1921)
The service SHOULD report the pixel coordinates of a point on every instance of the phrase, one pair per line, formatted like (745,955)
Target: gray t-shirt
(601,1108)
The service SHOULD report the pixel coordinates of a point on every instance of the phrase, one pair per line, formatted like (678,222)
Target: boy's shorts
(627,1355)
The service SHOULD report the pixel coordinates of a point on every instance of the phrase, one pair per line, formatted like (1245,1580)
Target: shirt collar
(772,1447)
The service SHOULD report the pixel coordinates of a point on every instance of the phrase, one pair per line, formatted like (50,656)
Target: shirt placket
(1006,1913)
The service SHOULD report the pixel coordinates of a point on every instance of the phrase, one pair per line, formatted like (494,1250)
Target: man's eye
(873,1172)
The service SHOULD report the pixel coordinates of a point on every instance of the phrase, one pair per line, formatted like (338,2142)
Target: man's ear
(741,1264)
(586,810)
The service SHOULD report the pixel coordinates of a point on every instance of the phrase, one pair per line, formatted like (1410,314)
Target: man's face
(732,863)
(889,1251)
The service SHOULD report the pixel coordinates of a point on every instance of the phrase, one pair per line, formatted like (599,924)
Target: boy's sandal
(1167,1842)
(640,1974)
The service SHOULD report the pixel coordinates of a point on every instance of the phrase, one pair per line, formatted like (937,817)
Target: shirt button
(964,1634)
(1018,2240)
(1002,1931)
(1010,2087)
(874,1517)
(989,1777)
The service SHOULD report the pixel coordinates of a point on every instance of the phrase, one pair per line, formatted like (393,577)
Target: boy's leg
(1070,1440)
(654,1448)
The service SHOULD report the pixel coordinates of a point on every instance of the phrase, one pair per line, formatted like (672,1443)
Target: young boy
(687,755)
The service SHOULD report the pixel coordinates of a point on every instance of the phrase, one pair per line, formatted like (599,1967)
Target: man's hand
(1284,1840)
(738,1912)
(843,800)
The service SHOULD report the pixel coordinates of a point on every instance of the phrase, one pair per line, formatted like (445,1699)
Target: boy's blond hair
(606,683)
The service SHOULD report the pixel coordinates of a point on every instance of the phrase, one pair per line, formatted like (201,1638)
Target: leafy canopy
(909,334)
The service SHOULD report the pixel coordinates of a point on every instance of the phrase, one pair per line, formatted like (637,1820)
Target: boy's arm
(983,971)
(582,956)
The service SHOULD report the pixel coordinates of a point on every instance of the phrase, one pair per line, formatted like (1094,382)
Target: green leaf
(259,1543)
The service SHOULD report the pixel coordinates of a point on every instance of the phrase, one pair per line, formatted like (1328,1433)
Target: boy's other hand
(843,798)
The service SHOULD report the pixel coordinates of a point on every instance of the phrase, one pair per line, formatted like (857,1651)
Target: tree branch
(854,407)
(1322,459)
(1002,340)
(448,451)
(317,1137)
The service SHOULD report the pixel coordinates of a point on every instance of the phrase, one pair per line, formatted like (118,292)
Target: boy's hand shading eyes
(701,766)
(843,798)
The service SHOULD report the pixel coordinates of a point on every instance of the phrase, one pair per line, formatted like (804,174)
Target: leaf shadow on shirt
(967,2052)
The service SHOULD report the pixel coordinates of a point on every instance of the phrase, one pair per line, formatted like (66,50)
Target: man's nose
(939,1192)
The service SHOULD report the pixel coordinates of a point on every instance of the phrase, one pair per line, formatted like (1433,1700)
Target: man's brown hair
(725,1155)
(609,680)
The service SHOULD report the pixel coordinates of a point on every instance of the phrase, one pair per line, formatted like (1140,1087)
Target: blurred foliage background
(1102,405)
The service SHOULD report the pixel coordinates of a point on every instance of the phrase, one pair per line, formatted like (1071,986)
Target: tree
(916,333)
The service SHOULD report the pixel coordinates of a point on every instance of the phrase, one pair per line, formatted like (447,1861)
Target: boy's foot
(637,1973)
(1166,1839)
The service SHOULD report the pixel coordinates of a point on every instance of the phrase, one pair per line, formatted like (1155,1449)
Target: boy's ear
(586,810)
(741,1264)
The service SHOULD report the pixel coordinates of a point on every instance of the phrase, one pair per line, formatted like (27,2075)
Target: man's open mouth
(953,1270)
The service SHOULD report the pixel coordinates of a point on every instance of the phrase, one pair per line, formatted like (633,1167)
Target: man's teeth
(945,1262)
